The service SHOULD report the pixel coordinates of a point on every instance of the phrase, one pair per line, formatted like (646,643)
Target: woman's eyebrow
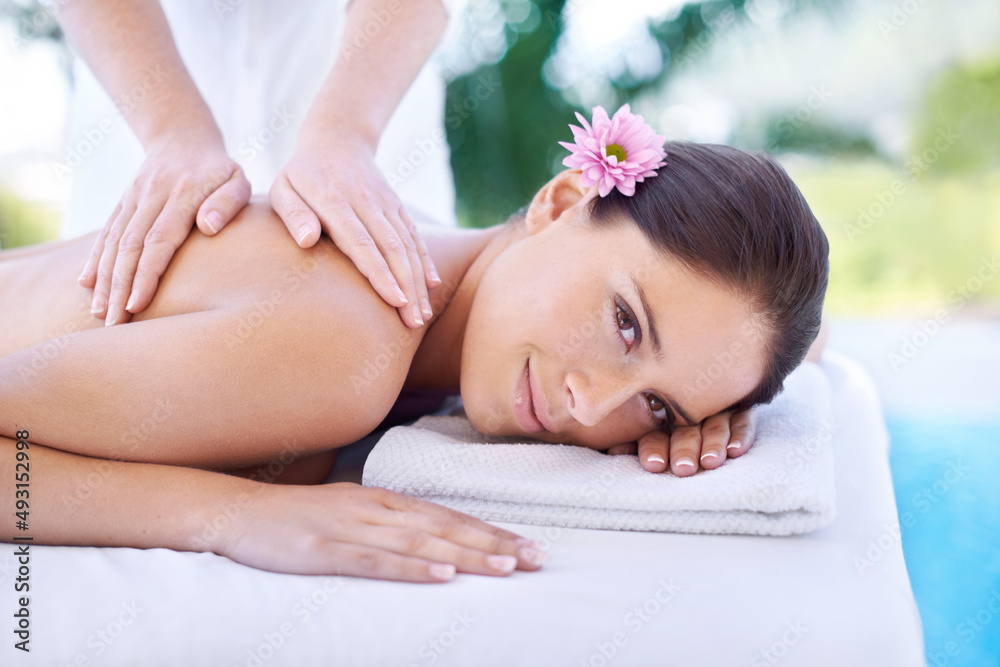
(648,314)
(690,422)
(655,337)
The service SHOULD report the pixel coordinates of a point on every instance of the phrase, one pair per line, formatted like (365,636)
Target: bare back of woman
(249,346)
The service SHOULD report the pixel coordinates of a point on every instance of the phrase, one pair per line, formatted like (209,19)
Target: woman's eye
(626,326)
(658,407)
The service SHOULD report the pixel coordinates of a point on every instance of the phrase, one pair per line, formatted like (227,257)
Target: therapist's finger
(109,253)
(298,217)
(130,248)
(743,432)
(168,232)
(414,282)
(380,255)
(430,270)
(89,276)
(224,203)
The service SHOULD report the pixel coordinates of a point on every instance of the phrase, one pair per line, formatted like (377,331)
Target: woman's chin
(483,419)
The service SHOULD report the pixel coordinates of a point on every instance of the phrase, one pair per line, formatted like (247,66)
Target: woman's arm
(65,499)
(220,388)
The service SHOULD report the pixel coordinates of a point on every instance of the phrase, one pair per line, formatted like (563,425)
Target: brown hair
(736,218)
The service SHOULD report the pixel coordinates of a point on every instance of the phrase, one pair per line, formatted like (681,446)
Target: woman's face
(560,347)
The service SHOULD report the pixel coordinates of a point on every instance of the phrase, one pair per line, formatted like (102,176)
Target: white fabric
(258,65)
(836,596)
(782,486)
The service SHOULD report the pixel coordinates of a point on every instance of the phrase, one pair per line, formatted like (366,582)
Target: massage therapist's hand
(348,529)
(332,184)
(184,178)
(708,445)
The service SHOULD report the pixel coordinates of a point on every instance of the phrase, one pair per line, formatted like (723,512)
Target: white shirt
(258,64)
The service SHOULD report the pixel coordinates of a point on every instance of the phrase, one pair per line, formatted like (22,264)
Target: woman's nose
(592,397)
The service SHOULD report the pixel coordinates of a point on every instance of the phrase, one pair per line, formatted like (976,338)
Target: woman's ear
(561,196)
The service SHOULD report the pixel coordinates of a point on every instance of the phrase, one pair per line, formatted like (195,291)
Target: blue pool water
(947,480)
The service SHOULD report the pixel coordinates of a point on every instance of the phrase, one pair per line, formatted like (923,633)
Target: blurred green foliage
(503,137)
(904,243)
(785,132)
(24,223)
(963,99)
(31,20)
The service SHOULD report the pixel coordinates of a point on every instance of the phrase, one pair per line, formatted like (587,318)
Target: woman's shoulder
(312,309)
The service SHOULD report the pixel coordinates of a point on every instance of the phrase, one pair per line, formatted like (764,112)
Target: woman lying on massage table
(590,318)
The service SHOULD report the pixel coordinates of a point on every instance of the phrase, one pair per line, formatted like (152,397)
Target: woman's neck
(461,257)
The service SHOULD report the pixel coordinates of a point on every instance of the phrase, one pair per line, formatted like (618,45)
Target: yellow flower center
(616,150)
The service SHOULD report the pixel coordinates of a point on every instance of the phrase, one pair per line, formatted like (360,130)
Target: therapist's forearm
(385,45)
(129,47)
(74,500)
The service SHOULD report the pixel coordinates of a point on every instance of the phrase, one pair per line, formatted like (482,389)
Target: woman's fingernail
(426,309)
(435,277)
(402,296)
(525,542)
(303,233)
(442,571)
(111,321)
(416,316)
(131,302)
(654,458)
(98,306)
(533,556)
(735,444)
(502,563)
(83,276)
(708,455)
(685,462)
(214,221)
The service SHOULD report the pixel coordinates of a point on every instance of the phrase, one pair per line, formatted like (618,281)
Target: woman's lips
(530,406)
(523,404)
(539,404)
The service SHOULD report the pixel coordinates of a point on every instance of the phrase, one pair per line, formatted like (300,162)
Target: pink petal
(600,115)
(626,189)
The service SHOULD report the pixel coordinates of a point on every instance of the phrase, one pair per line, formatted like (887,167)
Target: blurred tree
(31,20)
(788,132)
(958,129)
(504,120)
(26,223)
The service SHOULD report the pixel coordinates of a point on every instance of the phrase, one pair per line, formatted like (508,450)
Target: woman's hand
(183,179)
(721,436)
(347,529)
(333,185)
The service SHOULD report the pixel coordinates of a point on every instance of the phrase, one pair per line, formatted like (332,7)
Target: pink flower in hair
(617,152)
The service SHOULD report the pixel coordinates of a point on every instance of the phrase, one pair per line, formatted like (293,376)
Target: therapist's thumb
(222,205)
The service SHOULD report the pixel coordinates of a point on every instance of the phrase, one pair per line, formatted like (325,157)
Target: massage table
(837,596)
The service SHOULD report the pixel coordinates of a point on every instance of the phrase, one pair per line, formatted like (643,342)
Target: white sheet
(836,596)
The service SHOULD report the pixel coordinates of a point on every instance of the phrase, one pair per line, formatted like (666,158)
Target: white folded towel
(782,486)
